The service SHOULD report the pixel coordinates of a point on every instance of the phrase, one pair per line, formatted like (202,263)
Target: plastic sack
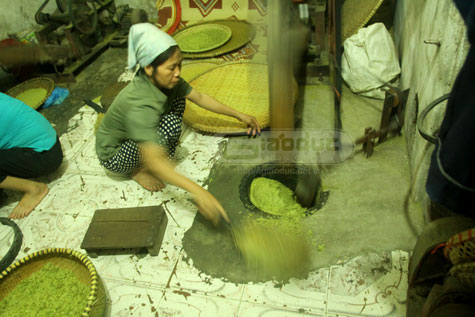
(369,61)
(57,97)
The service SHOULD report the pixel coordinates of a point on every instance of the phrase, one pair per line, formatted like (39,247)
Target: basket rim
(38,82)
(94,285)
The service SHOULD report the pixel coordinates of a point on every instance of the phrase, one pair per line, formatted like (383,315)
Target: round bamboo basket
(33,92)
(243,86)
(242,33)
(66,259)
(203,37)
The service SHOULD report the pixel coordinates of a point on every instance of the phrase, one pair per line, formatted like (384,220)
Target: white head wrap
(146,42)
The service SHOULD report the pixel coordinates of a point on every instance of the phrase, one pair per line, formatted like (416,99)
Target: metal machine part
(130,17)
(88,27)
(83,15)
(392,120)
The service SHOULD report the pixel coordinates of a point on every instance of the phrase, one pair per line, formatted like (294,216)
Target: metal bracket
(394,103)
(392,120)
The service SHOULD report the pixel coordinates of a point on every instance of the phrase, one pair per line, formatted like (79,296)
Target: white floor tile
(184,303)
(125,299)
(188,278)
(249,309)
(356,275)
(384,296)
(81,125)
(295,295)
(86,161)
(53,230)
(80,131)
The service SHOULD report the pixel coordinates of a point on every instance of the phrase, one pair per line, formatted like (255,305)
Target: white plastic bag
(370,60)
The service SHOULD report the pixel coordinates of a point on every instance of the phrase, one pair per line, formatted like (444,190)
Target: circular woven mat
(242,33)
(203,37)
(241,86)
(33,92)
(355,14)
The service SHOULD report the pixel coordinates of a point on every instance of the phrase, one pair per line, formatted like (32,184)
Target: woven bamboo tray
(242,86)
(355,14)
(33,92)
(242,33)
(203,37)
(66,259)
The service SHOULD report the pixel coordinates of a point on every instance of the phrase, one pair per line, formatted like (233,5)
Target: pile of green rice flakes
(277,247)
(274,198)
(50,291)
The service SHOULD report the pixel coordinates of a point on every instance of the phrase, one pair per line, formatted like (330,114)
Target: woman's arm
(157,164)
(211,104)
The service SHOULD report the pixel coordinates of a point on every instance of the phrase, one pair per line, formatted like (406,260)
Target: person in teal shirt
(29,148)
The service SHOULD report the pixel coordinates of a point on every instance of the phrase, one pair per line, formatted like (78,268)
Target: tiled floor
(167,285)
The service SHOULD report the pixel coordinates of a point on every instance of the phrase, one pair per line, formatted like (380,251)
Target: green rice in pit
(274,198)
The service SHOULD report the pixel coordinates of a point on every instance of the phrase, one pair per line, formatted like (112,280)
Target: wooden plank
(138,227)
(115,235)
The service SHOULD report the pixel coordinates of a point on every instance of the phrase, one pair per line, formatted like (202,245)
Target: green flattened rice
(50,291)
(274,198)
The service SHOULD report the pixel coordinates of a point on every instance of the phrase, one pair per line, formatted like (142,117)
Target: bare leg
(147,180)
(34,192)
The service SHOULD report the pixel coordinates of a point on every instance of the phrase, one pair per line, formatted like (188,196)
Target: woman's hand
(252,123)
(156,162)
(211,104)
(210,207)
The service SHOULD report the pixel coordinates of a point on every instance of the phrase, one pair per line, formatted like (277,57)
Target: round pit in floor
(287,174)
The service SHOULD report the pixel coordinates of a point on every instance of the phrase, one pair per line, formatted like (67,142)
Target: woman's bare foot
(29,201)
(148,181)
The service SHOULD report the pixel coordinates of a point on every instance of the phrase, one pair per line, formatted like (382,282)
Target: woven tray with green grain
(242,33)
(65,259)
(203,37)
(33,92)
